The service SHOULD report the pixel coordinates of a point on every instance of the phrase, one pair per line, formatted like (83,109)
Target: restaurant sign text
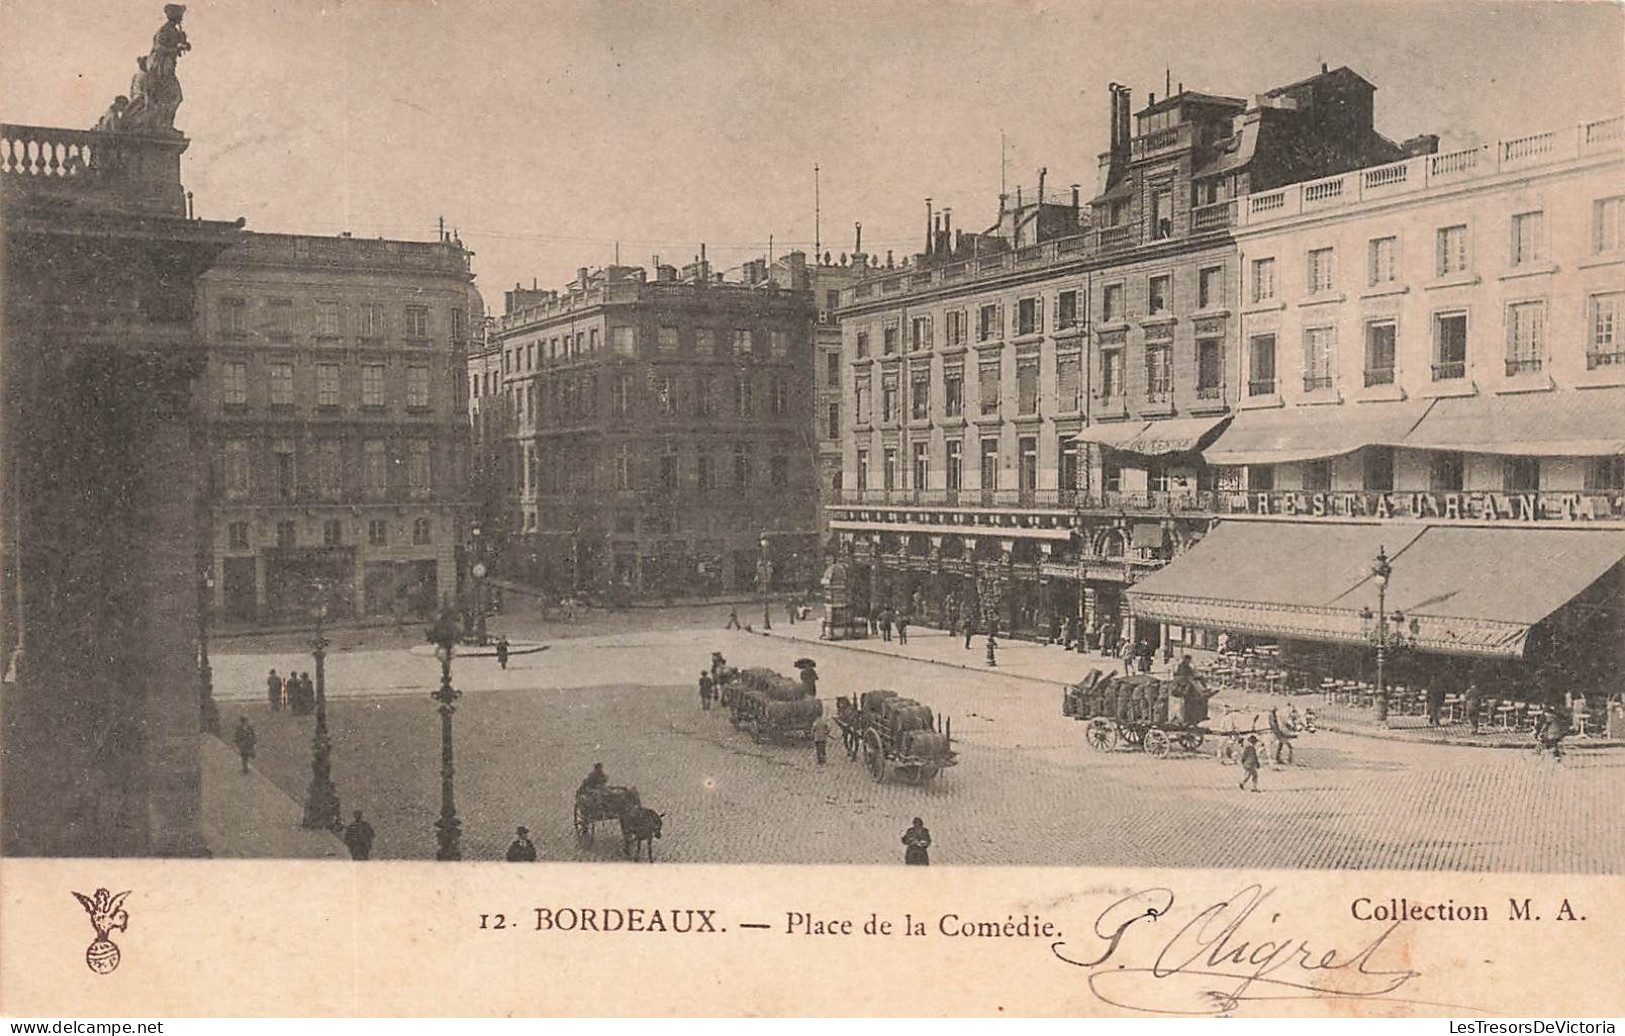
(1473,506)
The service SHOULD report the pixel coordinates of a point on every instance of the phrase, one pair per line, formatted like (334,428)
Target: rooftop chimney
(929,228)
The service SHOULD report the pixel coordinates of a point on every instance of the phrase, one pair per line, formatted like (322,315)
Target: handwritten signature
(1214,962)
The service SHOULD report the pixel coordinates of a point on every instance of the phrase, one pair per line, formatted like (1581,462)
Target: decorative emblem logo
(106,914)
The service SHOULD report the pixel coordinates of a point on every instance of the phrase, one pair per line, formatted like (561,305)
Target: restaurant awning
(1535,424)
(1177,435)
(1113,433)
(1470,590)
(1312,432)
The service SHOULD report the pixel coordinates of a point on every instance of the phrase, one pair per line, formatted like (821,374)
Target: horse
(640,826)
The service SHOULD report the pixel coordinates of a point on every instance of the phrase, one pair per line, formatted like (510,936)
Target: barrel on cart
(896,734)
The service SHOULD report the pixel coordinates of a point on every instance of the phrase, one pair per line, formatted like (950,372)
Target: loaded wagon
(771,707)
(895,733)
(1145,713)
(595,805)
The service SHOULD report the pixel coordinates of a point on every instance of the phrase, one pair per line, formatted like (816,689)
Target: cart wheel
(1156,742)
(1100,735)
(874,756)
(1190,740)
(583,826)
(849,740)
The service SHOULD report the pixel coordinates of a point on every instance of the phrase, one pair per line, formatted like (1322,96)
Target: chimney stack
(929,229)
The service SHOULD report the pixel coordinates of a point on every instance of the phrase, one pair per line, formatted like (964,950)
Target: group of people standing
(296,692)
(886,619)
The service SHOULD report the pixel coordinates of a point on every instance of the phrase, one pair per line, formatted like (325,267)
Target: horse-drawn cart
(596,805)
(771,707)
(1144,713)
(896,733)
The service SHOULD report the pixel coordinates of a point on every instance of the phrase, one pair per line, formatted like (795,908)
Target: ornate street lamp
(764,575)
(1385,631)
(322,800)
(443,635)
(209,713)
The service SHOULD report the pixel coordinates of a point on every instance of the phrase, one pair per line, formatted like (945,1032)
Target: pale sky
(546,131)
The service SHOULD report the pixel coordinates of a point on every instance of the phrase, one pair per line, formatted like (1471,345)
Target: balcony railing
(1379,376)
(1450,370)
(1316,382)
(1524,365)
(1210,393)
(1216,216)
(1261,387)
(127,171)
(1595,360)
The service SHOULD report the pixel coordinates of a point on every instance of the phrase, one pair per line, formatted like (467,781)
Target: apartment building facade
(1030,402)
(335,402)
(660,437)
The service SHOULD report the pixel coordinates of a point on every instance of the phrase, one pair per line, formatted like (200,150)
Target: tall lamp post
(1386,631)
(322,800)
(209,713)
(764,575)
(443,636)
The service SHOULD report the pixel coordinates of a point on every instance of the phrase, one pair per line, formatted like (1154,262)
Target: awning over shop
(1535,424)
(1178,435)
(1313,432)
(1470,590)
(1149,534)
(1113,433)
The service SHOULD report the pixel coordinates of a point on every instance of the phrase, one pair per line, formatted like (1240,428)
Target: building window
(742,342)
(863,345)
(1159,372)
(863,470)
(990,463)
(422,529)
(1379,352)
(623,467)
(1261,478)
(1605,474)
(1111,480)
(1111,374)
(888,469)
(234,378)
(1111,303)
(1528,238)
(1317,476)
(778,344)
(417,321)
(888,340)
(327,384)
(668,470)
(779,395)
(666,340)
(665,389)
(372,384)
(832,369)
(1070,473)
(287,534)
(1069,382)
(988,388)
(1382,265)
(778,471)
(1162,214)
(1378,464)
(1526,337)
(955,473)
(990,322)
(418,475)
(281,319)
(287,473)
(332,533)
(1156,294)
(1210,287)
(832,302)
(1446,473)
(744,396)
(1520,474)
(832,427)
(1263,280)
(622,395)
(953,391)
(417,388)
(919,334)
(237,535)
(1029,316)
(327,319)
(329,469)
(236,470)
(376,468)
(580,345)
(1261,365)
(702,471)
(1318,345)
(233,317)
(370,320)
(1066,310)
(1451,250)
(865,404)
(1027,385)
(958,332)
(888,397)
(743,462)
(378,532)
(919,394)
(1603,345)
(623,341)
(1322,270)
(1449,346)
(1210,368)
(1605,224)
(1027,466)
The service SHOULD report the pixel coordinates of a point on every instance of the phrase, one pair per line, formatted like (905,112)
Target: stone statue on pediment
(155,91)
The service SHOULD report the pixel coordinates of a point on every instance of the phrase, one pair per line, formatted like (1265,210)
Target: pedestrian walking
(502,652)
(790,609)
(1435,702)
(885,625)
(917,839)
(902,629)
(733,619)
(707,691)
(273,691)
(1249,762)
(1470,702)
(820,736)
(358,837)
(522,849)
(1282,736)
(307,694)
(244,738)
(970,631)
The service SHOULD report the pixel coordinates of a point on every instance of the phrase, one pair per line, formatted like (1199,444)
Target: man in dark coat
(885,625)
(522,850)
(1435,702)
(273,691)
(244,738)
(502,652)
(970,630)
(358,836)
(596,779)
(902,628)
(1249,762)
(918,841)
(707,690)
